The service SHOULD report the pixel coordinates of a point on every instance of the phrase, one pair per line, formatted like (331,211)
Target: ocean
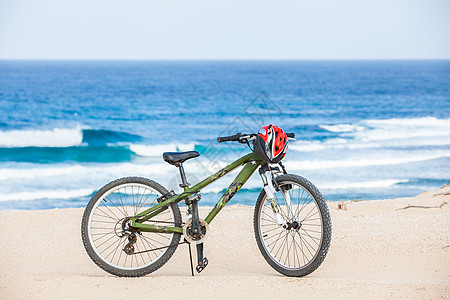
(365,129)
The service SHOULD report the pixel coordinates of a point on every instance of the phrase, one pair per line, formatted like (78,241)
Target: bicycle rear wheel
(301,246)
(103,223)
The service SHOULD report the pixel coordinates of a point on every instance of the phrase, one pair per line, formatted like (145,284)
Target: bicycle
(132,226)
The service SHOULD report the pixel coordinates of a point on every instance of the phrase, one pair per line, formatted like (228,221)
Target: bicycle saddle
(175,158)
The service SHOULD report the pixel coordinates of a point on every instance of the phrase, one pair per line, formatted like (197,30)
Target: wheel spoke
(309,213)
(303,252)
(281,246)
(104,216)
(306,242)
(278,238)
(102,235)
(121,203)
(120,246)
(312,238)
(267,231)
(114,249)
(273,219)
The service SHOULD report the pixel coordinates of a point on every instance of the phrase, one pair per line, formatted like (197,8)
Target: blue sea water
(365,129)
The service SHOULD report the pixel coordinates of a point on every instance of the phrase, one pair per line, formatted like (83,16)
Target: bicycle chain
(145,251)
(166,222)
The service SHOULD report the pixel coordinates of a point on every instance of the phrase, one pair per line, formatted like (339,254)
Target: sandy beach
(378,250)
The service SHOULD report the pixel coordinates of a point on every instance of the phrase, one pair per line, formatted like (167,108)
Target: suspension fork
(266,177)
(268,182)
(290,208)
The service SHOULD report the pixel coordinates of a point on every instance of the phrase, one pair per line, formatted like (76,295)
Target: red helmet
(271,144)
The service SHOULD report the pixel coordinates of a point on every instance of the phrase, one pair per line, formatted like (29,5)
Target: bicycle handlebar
(237,137)
(231,138)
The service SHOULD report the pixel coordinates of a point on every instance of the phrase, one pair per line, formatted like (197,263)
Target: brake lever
(247,137)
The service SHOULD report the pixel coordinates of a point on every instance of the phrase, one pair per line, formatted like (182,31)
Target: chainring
(187,230)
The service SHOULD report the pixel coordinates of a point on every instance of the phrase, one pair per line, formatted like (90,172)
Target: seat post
(184,182)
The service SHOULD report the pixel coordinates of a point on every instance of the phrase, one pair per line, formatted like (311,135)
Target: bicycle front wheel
(300,246)
(105,217)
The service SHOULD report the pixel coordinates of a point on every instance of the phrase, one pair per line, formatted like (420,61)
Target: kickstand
(190,257)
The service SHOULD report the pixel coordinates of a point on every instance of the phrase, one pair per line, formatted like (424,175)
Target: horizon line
(222,59)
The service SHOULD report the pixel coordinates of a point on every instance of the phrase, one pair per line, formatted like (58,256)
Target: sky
(224,29)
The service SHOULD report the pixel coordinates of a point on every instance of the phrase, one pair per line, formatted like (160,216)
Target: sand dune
(377,251)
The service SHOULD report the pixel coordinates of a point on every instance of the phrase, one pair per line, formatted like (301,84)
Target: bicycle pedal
(201,266)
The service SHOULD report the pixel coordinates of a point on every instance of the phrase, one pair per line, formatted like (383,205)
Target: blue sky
(230,29)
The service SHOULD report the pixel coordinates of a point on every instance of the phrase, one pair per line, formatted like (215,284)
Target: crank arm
(202,261)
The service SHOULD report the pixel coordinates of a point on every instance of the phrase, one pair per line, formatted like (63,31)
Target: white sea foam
(412,132)
(157,150)
(57,137)
(361,184)
(312,146)
(342,127)
(338,143)
(84,171)
(375,161)
(424,121)
(46,194)
(403,129)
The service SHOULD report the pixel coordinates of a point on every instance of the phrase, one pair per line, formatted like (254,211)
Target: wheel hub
(292,226)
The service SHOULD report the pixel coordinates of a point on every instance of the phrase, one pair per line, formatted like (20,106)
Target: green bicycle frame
(250,161)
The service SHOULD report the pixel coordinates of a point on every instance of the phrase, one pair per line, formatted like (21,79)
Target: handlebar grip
(230,138)
(290,135)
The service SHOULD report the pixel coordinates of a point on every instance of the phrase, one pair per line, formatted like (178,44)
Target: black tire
(102,224)
(307,244)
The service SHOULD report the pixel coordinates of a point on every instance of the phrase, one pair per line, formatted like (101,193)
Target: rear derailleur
(129,232)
